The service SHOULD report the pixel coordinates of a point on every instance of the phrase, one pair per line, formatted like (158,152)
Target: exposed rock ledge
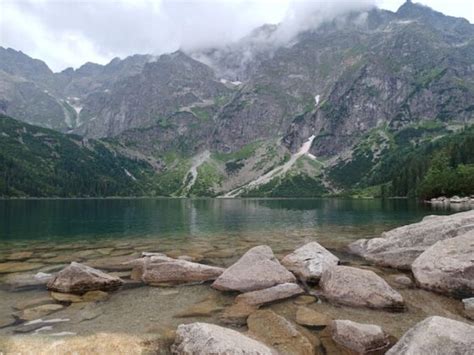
(399,247)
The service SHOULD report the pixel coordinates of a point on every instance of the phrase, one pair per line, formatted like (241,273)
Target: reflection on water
(69,219)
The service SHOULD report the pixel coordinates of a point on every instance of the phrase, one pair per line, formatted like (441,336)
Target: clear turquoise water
(136,218)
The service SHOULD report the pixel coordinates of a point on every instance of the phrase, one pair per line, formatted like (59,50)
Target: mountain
(319,114)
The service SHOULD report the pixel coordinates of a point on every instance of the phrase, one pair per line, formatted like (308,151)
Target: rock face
(255,270)
(179,272)
(203,338)
(362,338)
(448,266)
(436,335)
(79,279)
(359,288)
(279,333)
(399,247)
(268,295)
(309,261)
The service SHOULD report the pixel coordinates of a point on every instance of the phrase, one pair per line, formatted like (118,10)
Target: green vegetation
(202,113)
(208,177)
(244,153)
(40,162)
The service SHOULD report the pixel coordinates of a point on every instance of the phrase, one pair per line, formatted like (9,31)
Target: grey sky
(71,32)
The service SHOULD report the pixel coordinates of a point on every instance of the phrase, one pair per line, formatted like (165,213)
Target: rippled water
(106,233)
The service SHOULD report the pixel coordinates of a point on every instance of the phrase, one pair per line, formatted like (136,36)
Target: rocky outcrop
(204,338)
(362,338)
(399,247)
(359,288)
(179,272)
(447,266)
(279,333)
(255,270)
(79,279)
(309,261)
(436,335)
(272,294)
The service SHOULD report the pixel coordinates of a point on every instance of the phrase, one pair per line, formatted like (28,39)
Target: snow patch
(129,174)
(316,99)
(198,160)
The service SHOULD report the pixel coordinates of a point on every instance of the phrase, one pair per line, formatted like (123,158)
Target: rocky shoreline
(437,253)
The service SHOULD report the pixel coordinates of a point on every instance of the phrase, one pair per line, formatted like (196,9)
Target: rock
(359,288)
(39,301)
(89,312)
(436,335)
(271,294)
(311,318)
(22,255)
(305,299)
(65,297)
(204,338)
(40,311)
(399,247)
(309,261)
(11,267)
(112,263)
(204,308)
(278,333)
(237,313)
(255,270)
(95,296)
(448,266)
(78,279)
(101,343)
(179,272)
(401,281)
(26,281)
(362,338)
(468,305)
(7,321)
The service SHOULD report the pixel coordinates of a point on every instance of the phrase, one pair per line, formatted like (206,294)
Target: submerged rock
(179,272)
(436,335)
(271,294)
(78,279)
(359,288)
(399,247)
(21,255)
(25,281)
(401,281)
(311,318)
(309,261)
(204,308)
(40,311)
(237,313)
(362,338)
(255,270)
(448,266)
(278,333)
(204,338)
(13,266)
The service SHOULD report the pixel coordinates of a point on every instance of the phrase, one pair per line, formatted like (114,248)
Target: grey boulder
(359,337)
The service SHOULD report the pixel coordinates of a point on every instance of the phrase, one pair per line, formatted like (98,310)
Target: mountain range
(324,113)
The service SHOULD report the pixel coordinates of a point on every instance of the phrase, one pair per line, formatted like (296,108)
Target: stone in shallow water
(436,335)
(278,333)
(101,343)
(6,321)
(305,299)
(22,255)
(204,338)
(447,266)
(78,279)
(401,281)
(309,261)
(11,267)
(237,313)
(399,247)
(65,297)
(359,288)
(255,270)
(311,318)
(95,296)
(40,311)
(271,294)
(204,308)
(25,281)
(29,303)
(362,338)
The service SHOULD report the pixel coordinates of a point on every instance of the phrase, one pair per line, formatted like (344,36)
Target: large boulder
(359,337)
(436,335)
(255,270)
(359,288)
(179,272)
(79,279)
(399,247)
(309,261)
(278,332)
(448,266)
(272,294)
(204,338)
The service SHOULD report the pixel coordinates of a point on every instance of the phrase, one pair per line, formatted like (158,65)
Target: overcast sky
(67,33)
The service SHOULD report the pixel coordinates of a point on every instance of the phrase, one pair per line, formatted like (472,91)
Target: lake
(43,236)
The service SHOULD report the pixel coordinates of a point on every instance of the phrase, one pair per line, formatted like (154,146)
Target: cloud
(71,32)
